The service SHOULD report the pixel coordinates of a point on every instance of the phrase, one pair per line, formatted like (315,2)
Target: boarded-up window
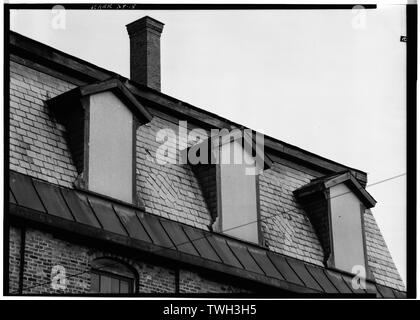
(110,147)
(237,203)
(111,277)
(347,228)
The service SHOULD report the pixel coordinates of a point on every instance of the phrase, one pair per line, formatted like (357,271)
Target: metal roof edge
(59,223)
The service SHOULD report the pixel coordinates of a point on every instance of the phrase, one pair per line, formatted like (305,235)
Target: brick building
(92,210)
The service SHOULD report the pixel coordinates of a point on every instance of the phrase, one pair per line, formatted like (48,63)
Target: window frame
(129,275)
(99,273)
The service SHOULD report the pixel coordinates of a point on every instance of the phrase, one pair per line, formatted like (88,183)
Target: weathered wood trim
(261,240)
(329,261)
(369,274)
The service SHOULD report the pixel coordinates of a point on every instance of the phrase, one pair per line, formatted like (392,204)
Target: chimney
(144,36)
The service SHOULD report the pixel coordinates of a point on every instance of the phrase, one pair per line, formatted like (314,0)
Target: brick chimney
(144,36)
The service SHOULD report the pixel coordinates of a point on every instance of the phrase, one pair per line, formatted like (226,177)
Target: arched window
(112,277)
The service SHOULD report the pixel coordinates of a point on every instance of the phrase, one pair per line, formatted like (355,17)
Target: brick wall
(14,259)
(156,279)
(44,250)
(192,282)
(145,51)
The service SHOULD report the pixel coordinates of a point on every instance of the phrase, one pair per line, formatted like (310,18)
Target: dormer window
(336,206)
(101,120)
(230,182)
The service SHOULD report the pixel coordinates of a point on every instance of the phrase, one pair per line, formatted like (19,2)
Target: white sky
(308,78)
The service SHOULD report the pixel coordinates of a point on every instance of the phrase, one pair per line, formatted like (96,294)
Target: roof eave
(347,178)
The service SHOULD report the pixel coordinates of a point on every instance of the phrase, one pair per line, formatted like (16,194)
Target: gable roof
(67,99)
(103,219)
(323,183)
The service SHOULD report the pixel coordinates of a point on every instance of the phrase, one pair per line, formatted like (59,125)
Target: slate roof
(38,148)
(95,216)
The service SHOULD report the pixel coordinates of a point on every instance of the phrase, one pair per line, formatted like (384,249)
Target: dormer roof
(326,182)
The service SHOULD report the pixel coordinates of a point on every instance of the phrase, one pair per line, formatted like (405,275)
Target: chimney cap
(144,23)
